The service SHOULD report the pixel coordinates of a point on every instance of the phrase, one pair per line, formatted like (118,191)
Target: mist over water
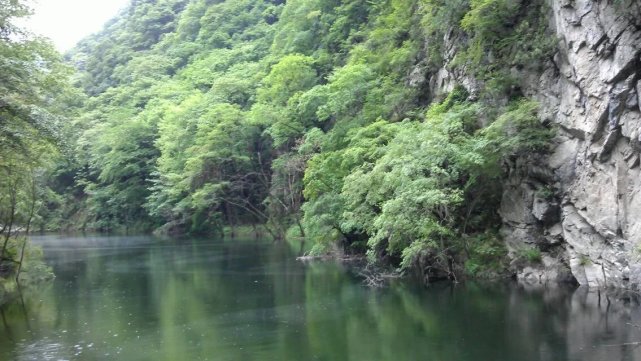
(139,298)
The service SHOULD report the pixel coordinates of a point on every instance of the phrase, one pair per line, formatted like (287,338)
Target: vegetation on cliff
(319,119)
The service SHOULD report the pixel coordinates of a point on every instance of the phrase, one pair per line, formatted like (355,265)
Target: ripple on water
(43,350)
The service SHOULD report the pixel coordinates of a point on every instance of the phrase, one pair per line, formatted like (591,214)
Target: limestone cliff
(582,204)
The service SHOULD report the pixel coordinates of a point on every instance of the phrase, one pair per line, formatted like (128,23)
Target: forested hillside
(430,134)
(315,118)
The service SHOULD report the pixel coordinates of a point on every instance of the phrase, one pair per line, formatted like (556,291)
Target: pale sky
(68,21)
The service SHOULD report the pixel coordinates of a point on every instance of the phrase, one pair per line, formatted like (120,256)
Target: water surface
(138,298)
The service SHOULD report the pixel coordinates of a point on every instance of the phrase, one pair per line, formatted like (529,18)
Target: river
(140,298)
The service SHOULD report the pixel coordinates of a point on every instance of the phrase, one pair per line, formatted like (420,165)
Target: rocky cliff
(581,205)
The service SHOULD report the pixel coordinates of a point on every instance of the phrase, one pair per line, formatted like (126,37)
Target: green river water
(138,298)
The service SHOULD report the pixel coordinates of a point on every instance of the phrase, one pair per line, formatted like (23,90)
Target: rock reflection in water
(587,324)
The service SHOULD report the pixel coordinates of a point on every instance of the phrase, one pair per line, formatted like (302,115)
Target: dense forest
(314,120)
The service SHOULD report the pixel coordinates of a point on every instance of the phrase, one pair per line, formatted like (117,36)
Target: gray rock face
(581,204)
(592,226)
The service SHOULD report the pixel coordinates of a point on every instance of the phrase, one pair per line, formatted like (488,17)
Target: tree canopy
(313,118)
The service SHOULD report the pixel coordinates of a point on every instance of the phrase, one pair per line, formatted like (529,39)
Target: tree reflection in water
(137,298)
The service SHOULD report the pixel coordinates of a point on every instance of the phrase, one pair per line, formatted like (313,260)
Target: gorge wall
(581,205)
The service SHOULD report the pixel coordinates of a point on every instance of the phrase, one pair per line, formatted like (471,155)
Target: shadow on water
(136,298)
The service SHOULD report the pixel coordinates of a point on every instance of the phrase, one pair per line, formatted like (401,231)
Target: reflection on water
(135,298)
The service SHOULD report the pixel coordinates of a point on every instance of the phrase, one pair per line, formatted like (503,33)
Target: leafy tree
(34,93)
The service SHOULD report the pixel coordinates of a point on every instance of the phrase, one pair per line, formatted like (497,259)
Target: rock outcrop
(581,205)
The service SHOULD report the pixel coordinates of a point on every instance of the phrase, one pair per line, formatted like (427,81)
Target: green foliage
(348,88)
(120,157)
(439,18)
(34,90)
(545,192)
(138,28)
(411,196)
(519,131)
(307,115)
(494,39)
(489,21)
(325,176)
(33,271)
(486,255)
(424,190)
(531,255)
(505,33)
(584,260)
(34,97)
(291,75)
(282,95)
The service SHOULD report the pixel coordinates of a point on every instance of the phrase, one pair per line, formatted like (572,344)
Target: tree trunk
(12,216)
(255,230)
(230,220)
(32,210)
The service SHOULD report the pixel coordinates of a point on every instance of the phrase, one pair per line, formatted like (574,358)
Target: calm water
(135,298)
